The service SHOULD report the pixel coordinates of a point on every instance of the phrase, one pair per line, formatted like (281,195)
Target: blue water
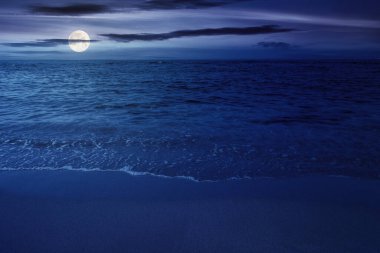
(201,119)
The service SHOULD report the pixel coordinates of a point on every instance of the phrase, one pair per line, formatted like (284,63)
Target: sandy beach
(69,211)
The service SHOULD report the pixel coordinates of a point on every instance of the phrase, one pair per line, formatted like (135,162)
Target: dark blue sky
(184,29)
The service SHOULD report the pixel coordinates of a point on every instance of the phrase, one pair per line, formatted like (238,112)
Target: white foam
(126,169)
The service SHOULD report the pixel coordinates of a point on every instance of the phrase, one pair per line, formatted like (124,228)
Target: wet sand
(74,211)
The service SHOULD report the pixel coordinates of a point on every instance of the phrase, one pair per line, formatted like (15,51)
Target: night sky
(184,29)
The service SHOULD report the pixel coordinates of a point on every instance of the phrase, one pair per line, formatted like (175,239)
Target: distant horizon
(211,59)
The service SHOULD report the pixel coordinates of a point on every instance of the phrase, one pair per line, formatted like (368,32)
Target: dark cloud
(274,44)
(37,52)
(43,43)
(71,10)
(85,8)
(181,4)
(195,33)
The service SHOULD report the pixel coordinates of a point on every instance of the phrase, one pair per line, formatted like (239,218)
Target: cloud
(85,8)
(274,44)
(44,43)
(37,52)
(181,4)
(267,29)
(71,10)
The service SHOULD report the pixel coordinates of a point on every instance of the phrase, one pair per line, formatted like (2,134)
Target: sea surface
(206,120)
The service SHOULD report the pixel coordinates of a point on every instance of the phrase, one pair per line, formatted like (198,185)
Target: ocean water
(208,120)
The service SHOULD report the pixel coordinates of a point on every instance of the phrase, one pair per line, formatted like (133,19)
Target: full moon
(79,41)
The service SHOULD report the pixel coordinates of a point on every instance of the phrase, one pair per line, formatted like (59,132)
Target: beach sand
(74,211)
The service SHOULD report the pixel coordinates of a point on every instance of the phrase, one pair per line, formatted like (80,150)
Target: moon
(79,41)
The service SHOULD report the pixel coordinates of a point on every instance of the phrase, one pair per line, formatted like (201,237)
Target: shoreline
(191,178)
(73,211)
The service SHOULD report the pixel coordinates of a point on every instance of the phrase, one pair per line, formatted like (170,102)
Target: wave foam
(125,169)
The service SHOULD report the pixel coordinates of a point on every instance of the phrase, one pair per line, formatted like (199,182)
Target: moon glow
(79,41)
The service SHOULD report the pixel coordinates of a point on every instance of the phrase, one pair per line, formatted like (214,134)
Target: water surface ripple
(202,119)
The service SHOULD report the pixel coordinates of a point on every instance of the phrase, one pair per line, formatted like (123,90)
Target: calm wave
(202,119)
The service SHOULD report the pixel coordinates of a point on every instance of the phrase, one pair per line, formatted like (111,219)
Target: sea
(203,120)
